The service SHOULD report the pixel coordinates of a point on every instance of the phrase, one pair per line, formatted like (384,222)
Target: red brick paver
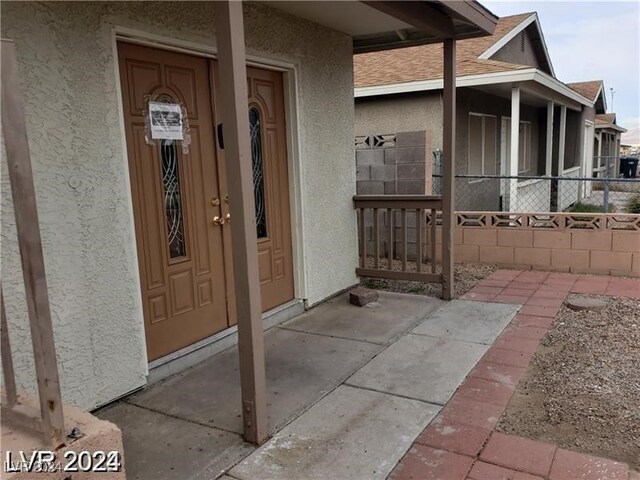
(426,463)
(578,466)
(454,436)
(519,453)
(460,442)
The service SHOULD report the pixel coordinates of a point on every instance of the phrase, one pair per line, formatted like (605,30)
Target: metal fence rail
(533,193)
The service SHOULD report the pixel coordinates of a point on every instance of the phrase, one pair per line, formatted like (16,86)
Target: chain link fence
(609,190)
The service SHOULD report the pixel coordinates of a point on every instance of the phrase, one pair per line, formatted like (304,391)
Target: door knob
(217,221)
(227,218)
(215,202)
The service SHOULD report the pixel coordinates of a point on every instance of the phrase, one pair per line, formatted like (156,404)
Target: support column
(561,138)
(549,150)
(515,147)
(448,167)
(599,163)
(235,117)
(23,193)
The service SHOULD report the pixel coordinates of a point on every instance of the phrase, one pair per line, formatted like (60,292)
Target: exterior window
(483,135)
(524,147)
(172,200)
(255,132)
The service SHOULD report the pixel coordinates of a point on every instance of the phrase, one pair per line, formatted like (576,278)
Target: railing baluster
(7,360)
(376,239)
(403,220)
(434,217)
(390,239)
(363,239)
(395,220)
(419,240)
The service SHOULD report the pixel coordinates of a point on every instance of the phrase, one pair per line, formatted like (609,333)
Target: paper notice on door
(166,121)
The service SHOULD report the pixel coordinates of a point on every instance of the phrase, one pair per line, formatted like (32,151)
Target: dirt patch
(466,277)
(582,388)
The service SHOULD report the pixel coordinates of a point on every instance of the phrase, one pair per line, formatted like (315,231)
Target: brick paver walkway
(460,443)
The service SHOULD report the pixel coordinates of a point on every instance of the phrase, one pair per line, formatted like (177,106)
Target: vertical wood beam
(448,167)
(235,116)
(562,138)
(30,242)
(549,146)
(8,373)
(515,147)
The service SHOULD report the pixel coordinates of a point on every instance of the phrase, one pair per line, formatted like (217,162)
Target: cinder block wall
(608,252)
(393,164)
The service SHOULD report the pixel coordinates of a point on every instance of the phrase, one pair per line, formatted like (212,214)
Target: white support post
(599,163)
(235,116)
(561,139)
(448,167)
(515,147)
(549,150)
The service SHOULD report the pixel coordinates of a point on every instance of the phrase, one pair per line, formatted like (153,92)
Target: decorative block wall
(602,244)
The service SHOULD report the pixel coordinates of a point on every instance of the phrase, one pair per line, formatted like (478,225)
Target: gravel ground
(582,389)
(466,276)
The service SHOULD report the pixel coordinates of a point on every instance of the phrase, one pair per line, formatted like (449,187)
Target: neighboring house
(500,77)
(606,147)
(137,234)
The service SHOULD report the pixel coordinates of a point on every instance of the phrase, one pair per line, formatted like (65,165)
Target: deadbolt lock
(215,202)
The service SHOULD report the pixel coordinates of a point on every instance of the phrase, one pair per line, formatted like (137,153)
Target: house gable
(523,45)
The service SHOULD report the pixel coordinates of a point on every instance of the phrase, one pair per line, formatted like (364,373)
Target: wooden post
(235,117)
(448,167)
(8,373)
(561,138)
(515,148)
(549,150)
(28,231)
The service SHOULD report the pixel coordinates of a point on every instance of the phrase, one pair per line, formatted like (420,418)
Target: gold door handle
(227,218)
(217,221)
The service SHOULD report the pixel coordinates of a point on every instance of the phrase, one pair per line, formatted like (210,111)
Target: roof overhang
(382,25)
(610,126)
(512,76)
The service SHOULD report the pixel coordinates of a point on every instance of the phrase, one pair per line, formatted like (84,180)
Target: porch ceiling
(381,25)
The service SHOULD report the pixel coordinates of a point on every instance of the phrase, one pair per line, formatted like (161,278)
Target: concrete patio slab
(479,322)
(351,433)
(378,322)
(420,367)
(300,369)
(164,448)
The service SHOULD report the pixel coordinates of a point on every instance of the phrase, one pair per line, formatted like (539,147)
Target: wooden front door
(180,251)
(184,258)
(271,185)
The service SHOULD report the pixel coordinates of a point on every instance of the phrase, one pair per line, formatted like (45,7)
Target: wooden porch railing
(391,209)
(49,419)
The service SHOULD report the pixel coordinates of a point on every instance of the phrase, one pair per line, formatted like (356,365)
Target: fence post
(605,207)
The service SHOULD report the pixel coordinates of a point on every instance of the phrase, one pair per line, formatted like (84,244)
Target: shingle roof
(587,89)
(605,118)
(425,62)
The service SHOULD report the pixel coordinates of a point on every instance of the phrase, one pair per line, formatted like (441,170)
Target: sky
(592,41)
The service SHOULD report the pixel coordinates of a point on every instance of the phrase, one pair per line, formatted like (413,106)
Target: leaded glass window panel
(255,131)
(172,198)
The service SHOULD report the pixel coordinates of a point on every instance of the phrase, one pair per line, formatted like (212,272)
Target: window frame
(526,147)
(483,147)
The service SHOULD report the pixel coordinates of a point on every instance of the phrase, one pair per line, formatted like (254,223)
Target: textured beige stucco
(401,113)
(68,75)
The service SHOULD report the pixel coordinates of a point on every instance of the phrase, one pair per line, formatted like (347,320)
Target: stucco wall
(402,113)
(67,70)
